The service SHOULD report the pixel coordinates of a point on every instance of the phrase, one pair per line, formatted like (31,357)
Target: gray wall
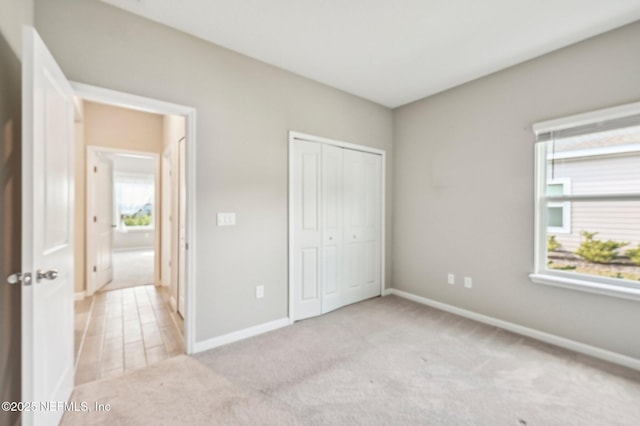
(14,13)
(463,190)
(245,110)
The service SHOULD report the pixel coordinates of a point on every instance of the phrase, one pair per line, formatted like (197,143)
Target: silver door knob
(51,274)
(19,277)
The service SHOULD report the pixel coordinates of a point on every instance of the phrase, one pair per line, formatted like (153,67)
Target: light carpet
(131,268)
(386,361)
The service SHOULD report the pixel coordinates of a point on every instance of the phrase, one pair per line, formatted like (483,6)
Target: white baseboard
(240,335)
(80,295)
(173,304)
(572,345)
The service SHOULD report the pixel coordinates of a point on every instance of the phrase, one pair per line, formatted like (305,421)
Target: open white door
(47,232)
(100,220)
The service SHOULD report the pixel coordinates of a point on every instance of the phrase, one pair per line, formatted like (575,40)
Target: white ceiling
(390,51)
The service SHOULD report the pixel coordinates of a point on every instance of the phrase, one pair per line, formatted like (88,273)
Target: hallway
(122,330)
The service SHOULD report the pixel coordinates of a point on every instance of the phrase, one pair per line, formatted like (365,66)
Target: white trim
(290,208)
(572,345)
(128,100)
(235,336)
(593,152)
(173,304)
(311,138)
(79,295)
(135,248)
(564,205)
(293,135)
(141,103)
(540,213)
(138,229)
(587,118)
(599,287)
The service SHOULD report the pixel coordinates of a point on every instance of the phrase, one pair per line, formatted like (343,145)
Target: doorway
(122,218)
(139,314)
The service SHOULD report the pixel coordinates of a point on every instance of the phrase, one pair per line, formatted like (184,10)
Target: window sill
(137,229)
(587,286)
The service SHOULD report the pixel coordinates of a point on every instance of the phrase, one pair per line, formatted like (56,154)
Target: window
(559,213)
(134,206)
(588,202)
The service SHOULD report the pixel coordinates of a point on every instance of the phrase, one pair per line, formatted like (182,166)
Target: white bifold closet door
(336,227)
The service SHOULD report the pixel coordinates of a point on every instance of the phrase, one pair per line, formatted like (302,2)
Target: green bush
(598,251)
(552,244)
(138,220)
(634,255)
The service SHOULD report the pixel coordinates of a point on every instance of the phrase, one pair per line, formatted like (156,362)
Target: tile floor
(122,330)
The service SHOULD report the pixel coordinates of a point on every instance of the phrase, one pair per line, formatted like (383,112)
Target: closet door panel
(309,274)
(332,220)
(353,197)
(306,228)
(371,232)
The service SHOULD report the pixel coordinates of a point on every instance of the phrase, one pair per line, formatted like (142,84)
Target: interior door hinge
(95,219)
(95,269)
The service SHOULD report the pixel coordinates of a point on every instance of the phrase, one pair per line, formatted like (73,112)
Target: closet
(336,211)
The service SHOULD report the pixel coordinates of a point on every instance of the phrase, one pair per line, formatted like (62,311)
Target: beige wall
(13,13)
(463,190)
(245,109)
(112,127)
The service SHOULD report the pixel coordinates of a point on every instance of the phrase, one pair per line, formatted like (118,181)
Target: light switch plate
(226,219)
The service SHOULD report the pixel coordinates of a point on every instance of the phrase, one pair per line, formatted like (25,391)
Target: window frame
(541,274)
(565,205)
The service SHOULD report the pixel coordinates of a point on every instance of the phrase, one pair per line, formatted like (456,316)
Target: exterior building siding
(613,220)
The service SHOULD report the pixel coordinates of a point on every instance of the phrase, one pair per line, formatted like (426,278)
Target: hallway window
(134,201)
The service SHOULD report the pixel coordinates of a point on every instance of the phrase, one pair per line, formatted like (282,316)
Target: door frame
(141,103)
(90,237)
(293,135)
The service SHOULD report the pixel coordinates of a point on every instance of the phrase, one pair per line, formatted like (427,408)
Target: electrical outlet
(467,282)
(451,279)
(259,292)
